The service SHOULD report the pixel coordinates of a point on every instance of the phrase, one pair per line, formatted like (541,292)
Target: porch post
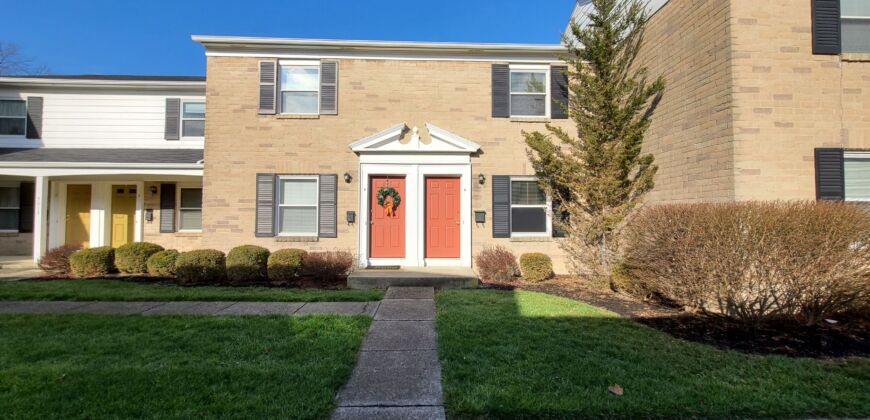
(40,216)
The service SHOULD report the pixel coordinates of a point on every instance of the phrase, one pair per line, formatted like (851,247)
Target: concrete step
(452,278)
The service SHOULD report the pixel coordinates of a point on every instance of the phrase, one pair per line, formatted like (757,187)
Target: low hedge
(204,266)
(536,266)
(285,264)
(162,263)
(132,258)
(247,264)
(92,262)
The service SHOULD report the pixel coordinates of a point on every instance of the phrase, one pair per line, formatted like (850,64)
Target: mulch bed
(850,336)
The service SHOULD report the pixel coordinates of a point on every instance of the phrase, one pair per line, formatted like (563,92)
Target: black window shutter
(559,92)
(328,217)
(265,212)
(34,117)
(329,87)
(826,27)
(167,208)
(501,206)
(268,86)
(173,119)
(25,210)
(830,182)
(501,91)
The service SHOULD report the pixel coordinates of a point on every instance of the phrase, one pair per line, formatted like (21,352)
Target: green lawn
(96,366)
(120,290)
(531,355)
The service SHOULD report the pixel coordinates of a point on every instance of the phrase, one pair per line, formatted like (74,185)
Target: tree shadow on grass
(516,354)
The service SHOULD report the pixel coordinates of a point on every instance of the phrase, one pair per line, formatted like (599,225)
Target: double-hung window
(190,209)
(856,172)
(299,83)
(192,119)
(855,26)
(530,208)
(10,207)
(297,205)
(530,90)
(13,117)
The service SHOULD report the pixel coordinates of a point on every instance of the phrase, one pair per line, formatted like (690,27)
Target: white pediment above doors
(401,139)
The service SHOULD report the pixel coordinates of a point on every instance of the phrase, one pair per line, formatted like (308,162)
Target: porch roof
(134,156)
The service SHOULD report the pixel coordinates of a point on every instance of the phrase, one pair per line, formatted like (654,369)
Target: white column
(40,216)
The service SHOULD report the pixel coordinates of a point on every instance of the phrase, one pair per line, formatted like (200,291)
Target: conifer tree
(598,177)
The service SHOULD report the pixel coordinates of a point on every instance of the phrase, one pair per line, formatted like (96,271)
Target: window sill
(856,57)
(298,116)
(296,239)
(540,120)
(532,239)
(188,233)
(9,234)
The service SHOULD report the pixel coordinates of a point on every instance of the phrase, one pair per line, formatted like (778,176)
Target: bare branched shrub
(328,265)
(497,264)
(753,261)
(56,260)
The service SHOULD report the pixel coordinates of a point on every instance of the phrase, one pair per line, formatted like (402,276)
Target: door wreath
(389,199)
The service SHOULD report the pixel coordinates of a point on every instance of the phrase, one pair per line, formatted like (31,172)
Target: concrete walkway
(188,308)
(397,375)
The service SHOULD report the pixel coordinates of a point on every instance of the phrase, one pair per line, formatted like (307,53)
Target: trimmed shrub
(536,266)
(56,260)
(497,264)
(753,261)
(247,263)
(133,257)
(92,262)
(203,266)
(162,263)
(285,264)
(328,265)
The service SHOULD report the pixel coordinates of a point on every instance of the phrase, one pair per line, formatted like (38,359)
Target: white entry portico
(401,151)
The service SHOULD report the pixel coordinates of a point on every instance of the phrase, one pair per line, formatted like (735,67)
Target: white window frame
(183,119)
(180,209)
(853,18)
(853,156)
(18,187)
(279,206)
(548,211)
(281,90)
(534,68)
(16,99)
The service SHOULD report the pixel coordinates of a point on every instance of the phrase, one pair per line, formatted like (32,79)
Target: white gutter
(100,83)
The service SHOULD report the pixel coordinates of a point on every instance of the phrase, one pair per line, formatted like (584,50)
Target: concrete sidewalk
(189,308)
(397,375)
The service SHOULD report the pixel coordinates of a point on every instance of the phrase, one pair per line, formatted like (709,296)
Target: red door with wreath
(387,233)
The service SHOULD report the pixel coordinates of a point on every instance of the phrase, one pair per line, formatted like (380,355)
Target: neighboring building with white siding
(100,160)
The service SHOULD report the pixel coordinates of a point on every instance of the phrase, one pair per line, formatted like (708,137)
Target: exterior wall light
(347,177)
(481,179)
(153,189)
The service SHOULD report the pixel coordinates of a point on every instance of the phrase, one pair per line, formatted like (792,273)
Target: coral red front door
(387,238)
(442,218)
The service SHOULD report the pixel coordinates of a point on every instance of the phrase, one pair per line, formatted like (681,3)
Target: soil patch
(849,336)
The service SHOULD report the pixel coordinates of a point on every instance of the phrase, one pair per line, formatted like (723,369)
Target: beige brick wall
(16,244)
(788,101)
(373,95)
(688,41)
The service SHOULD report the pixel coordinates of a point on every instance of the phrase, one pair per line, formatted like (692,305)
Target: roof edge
(104,82)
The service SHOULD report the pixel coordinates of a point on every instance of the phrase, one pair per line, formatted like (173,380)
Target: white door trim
(415,216)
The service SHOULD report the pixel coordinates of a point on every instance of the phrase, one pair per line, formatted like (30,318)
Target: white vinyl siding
(190,209)
(13,117)
(297,212)
(529,91)
(192,120)
(10,208)
(299,83)
(530,209)
(98,119)
(855,26)
(856,171)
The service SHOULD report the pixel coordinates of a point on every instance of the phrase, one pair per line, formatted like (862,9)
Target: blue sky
(152,37)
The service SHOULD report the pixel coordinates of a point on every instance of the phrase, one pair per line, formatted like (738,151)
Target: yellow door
(78,215)
(123,213)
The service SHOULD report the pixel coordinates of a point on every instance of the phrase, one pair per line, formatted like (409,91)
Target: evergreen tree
(598,177)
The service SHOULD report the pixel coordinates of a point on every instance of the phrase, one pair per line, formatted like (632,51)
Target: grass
(119,290)
(531,355)
(97,366)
